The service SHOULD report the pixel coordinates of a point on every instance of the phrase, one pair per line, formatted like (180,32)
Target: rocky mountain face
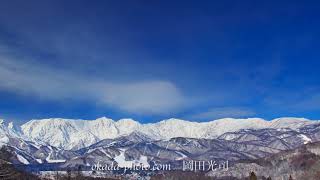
(170,141)
(25,151)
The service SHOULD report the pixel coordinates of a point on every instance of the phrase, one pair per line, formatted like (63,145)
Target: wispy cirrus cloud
(48,83)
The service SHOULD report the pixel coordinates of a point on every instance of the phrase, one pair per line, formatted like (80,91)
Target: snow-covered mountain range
(75,134)
(84,142)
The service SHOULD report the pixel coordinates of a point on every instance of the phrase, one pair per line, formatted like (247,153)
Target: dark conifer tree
(252,176)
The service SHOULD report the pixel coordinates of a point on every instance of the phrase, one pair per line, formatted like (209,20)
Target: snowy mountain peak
(174,121)
(104,119)
(290,120)
(127,121)
(75,134)
(235,120)
(126,126)
(10,125)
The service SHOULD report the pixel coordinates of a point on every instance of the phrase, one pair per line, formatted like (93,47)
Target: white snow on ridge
(75,134)
(120,159)
(49,160)
(39,161)
(3,139)
(22,159)
(305,139)
(181,154)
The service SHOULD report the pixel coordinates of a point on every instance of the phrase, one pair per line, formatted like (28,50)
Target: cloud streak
(47,83)
(223,112)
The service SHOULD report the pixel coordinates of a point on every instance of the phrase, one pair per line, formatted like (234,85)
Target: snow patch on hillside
(22,159)
(122,162)
(305,138)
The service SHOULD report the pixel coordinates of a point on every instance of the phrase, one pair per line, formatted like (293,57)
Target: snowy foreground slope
(75,134)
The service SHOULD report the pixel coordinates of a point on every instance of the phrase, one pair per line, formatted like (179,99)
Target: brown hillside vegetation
(301,163)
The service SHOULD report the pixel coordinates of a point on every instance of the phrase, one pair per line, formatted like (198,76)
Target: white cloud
(140,97)
(224,112)
(145,97)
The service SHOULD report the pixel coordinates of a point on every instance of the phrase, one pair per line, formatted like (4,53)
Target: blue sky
(197,60)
